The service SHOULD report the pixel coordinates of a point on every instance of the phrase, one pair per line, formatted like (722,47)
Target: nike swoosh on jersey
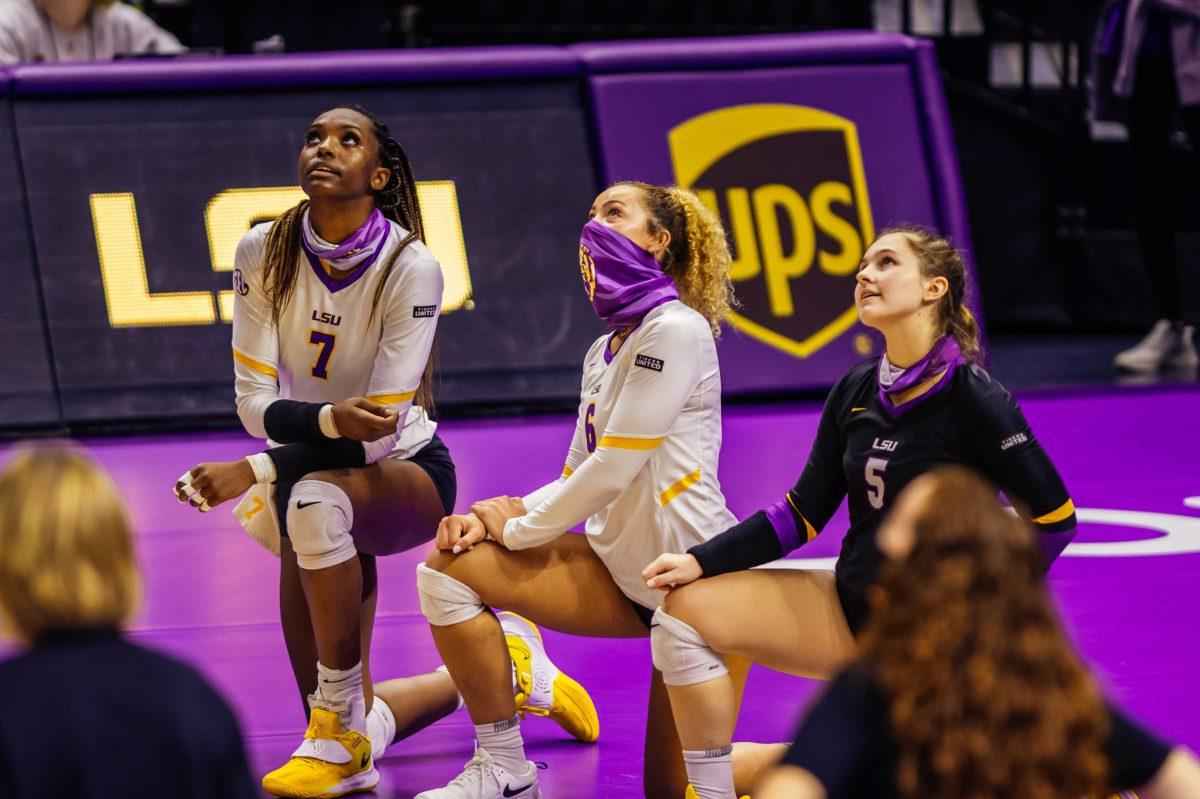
(300,505)
(856,410)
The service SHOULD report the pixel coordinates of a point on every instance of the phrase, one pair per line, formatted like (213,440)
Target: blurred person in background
(965,684)
(1159,71)
(77,30)
(86,713)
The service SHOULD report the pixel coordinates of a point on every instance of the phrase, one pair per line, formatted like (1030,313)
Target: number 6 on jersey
(875,487)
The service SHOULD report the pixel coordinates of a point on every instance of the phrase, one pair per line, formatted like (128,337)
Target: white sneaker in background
(1184,356)
(1152,352)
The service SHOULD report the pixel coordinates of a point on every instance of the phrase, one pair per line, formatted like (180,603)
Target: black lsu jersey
(868,450)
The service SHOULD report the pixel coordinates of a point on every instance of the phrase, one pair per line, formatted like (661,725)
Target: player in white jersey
(331,346)
(641,470)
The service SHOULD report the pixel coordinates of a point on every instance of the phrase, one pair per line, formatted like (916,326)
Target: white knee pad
(680,652)
(319,518)
(381,727)
(444,600)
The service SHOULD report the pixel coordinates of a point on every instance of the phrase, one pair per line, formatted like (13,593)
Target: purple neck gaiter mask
(359,246)
(943,355)
(623,281)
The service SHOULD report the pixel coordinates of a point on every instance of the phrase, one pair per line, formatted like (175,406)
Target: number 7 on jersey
(325,341)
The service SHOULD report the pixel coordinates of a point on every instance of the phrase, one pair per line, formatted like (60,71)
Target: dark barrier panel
(140,178)
(27,388)
(138,196)
(806,146)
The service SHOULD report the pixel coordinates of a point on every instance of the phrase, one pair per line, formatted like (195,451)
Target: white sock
(710,772)
(461,704)
(502,740)
(381,727)
(345,685)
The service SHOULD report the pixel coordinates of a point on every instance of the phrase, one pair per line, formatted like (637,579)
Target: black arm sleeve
(747,544)
(1134,753)
(843,734)
(814,498)
(288,421)
(293,461)
(1007,452)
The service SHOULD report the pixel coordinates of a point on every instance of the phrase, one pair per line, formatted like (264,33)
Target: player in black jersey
(887,421)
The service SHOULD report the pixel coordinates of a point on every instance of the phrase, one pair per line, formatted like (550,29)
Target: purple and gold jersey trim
(681,485)
(1063,511)
(895,411)
(258,366)
(391,399)
(567,470)
(333,284)
(626,442)
(782,516)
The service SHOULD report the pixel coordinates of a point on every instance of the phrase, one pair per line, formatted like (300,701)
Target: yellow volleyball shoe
(690,793)
(332,761)
(543,690)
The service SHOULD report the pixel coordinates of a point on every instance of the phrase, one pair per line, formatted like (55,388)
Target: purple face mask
(623,281)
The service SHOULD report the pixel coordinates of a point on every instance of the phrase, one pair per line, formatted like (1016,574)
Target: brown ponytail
(698,256)
(940,258)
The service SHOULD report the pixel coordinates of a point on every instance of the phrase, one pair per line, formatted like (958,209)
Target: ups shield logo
(787,182)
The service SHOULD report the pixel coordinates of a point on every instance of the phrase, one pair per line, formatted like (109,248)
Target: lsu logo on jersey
(788,184)
(587,270)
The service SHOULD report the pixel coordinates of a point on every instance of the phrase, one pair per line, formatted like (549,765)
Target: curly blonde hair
(987,697)
(697,257)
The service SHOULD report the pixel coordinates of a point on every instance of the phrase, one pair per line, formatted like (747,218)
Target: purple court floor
(1129,587)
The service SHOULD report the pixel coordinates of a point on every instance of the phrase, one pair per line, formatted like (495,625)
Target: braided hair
(397,200)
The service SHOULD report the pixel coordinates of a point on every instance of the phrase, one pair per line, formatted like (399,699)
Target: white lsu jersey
(642,468)
(328,346)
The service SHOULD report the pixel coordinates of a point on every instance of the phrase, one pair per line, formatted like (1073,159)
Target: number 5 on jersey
(325,341)
(875,487)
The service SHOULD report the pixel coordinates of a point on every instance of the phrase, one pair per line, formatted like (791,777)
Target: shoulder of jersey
(122,13)
(416,259)
(980,385)
(251,246)
(861,372)
(594,350)
(24,12)
(676,316)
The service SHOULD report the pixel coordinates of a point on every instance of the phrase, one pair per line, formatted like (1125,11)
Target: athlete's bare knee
(333,476)
(693,605)
(439,560)
(465,567)
(686,602)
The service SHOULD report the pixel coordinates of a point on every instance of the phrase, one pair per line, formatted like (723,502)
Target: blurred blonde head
(66,552)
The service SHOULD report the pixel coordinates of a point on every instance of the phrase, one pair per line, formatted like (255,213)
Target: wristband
(327,422)
(262,466)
